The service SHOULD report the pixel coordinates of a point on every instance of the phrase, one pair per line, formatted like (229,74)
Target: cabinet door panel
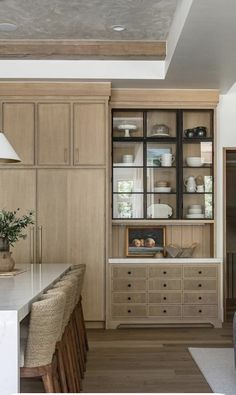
(53,204)
(87,235)
(89,134)
(18,125)
(53,133)
(18,190)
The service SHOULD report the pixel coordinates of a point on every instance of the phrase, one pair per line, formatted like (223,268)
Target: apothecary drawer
(155,284)
(165,271)
(129,297)
(200,311)
(201,284)
(165,297)
(200,298)
(165,311)
(128,271)
(129,311)
(199,271)
(128,285)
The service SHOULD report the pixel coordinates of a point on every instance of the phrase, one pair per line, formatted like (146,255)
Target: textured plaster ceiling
(88,19)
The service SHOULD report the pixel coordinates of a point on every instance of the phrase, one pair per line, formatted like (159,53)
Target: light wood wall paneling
(18,122)
(89,134)
(53,133)
(18,189)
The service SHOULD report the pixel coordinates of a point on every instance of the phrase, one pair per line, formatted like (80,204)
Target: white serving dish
(159,211)
(195,211)
(162,189)
(194,161)
(128,126)
(192,216)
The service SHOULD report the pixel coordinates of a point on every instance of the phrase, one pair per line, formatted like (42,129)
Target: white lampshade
(7,153)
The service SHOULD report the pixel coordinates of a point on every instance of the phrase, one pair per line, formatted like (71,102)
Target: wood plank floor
(147,360)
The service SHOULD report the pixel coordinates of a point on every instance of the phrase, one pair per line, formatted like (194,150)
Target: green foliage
(11,226)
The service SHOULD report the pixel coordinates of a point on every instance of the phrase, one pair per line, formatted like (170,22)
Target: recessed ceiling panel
(87,19)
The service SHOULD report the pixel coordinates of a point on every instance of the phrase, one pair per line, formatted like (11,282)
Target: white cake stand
(127,129)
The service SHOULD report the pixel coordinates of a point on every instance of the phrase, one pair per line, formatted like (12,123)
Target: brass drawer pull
(129,285)
(199,285)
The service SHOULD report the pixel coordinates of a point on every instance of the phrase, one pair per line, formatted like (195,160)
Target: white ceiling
(87,19)
(204,56)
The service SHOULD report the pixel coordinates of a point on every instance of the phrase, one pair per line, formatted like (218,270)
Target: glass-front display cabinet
(162,164)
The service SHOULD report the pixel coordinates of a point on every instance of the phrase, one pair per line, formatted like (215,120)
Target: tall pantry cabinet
(60,132)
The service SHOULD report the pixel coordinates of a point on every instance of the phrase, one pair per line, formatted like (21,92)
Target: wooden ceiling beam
(82,49)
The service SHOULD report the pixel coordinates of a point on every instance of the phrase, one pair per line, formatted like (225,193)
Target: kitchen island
(17,293)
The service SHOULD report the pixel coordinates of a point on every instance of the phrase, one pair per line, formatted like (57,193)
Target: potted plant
(11,229)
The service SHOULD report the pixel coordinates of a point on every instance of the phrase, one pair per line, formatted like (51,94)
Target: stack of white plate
(162,189)
(195,211)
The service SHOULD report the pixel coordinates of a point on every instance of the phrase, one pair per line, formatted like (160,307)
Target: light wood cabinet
(53,133)
(168,293)
(18,123)
(18,189)
(89,134)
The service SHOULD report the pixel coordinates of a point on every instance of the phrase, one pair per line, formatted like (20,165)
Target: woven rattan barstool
(44,329)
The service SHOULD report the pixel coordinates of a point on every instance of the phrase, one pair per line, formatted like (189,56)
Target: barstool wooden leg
(48,380)
(61,368)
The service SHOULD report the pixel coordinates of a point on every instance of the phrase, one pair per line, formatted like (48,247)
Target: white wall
(226,137)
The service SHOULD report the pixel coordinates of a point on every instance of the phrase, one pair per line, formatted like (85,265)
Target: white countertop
(165,260)
(18,292)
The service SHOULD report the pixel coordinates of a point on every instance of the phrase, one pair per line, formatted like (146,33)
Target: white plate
(195,216)
(162,189)
(159,134)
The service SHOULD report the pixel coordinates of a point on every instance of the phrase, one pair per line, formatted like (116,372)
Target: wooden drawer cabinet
(200,311)
(129,311)
(199,272)
(122,272)
(200,298)
(164,285)
(165,271)
(129,297)
(196,285)
(129,285)
(165,297)
(165,311)
(168,293)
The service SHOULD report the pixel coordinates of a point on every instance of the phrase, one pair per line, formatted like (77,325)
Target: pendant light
(7,152)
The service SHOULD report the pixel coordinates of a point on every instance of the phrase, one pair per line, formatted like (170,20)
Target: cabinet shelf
(146,150)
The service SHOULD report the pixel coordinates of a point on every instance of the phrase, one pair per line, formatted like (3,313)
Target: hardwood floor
(148,360)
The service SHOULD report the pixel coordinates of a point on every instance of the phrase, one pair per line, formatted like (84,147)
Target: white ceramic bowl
(194,161)
(195,216)
(195,211)
(162,189)
(192,206)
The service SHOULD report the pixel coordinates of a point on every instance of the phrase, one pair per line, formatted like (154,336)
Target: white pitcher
(190,184)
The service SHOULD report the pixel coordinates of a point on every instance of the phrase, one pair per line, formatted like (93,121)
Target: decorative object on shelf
(158,210)
(144,241)
(197,132)
(162,189)
(160,130)
(190,184)
(194,161)
(167,160)
(154,155)
(158,255)
(195,211)
(11,230)
(175,251)
(128,158)
(7,152)
(127,128)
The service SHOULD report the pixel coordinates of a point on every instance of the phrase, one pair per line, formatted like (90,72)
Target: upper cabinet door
(18,125)
(53,133)
(89,134)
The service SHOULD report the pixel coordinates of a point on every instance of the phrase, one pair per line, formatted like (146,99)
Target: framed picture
(144,241)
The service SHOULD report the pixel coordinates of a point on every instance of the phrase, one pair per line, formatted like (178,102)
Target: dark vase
(4,244)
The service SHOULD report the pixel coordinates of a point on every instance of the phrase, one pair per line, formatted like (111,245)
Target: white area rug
(217,366)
